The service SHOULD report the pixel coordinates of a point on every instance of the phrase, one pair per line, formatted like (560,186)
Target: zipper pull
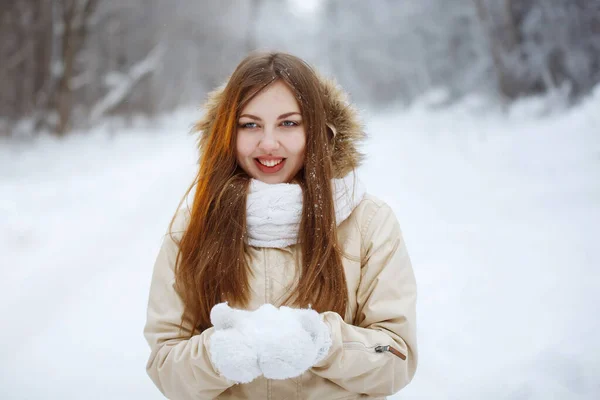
(381,349)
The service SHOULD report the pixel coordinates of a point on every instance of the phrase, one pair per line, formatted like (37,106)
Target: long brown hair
(211,264)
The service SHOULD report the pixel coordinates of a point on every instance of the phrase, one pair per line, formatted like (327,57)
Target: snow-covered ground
(501,217)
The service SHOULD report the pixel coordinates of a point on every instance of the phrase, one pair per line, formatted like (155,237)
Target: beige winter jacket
(381,308)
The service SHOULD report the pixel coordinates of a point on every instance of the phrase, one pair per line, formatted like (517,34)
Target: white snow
(501,216)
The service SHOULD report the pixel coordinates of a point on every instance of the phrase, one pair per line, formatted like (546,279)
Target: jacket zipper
(381,349)
(376,348)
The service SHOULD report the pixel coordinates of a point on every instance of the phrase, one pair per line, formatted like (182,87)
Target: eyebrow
(254,117)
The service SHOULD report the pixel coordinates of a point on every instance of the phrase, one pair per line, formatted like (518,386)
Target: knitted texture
(273,211)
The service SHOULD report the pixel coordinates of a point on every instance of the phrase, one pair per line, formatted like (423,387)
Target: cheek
(297,144)
(244,146)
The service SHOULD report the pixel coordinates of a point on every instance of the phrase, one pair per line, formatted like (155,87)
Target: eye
(290,123)
(248,125)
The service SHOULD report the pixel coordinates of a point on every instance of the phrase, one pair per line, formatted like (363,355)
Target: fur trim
(341,115)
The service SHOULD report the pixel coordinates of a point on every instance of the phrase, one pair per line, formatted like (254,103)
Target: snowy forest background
(483,119)
(68,63)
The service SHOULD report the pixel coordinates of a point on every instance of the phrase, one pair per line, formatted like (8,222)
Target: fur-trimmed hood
(342,119)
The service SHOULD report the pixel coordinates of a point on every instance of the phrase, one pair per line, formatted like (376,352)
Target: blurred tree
(391,52)
(543,46)
(503,37)
(70,63)
(73,19)
(26,45)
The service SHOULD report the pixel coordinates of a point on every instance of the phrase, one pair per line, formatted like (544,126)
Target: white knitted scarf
(273,211)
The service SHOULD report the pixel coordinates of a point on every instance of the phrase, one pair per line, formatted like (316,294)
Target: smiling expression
(271,138)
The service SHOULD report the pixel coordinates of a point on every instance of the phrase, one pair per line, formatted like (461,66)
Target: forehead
(275,99)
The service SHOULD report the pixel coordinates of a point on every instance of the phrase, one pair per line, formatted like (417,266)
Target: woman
(284,279)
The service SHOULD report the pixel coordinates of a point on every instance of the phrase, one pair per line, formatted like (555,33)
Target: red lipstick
(269,170)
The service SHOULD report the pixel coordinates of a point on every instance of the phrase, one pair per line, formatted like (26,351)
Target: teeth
(270,163)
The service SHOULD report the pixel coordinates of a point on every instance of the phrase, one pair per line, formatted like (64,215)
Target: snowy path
(83,255)
(502,220)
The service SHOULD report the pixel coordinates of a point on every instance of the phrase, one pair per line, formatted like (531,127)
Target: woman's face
(270,136)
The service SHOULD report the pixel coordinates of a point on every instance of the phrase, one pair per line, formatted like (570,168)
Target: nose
(268,142)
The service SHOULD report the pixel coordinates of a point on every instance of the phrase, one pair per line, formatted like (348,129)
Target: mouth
(269,166)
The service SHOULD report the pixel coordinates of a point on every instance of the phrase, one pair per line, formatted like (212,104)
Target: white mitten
(232,350)
(312,323)
(291,341)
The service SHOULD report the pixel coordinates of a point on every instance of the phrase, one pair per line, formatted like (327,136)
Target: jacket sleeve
(359,360)
(181,368)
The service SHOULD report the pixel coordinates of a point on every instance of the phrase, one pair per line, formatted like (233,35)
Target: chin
(272,179)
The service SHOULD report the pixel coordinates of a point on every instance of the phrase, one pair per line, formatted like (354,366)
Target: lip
(269,170)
